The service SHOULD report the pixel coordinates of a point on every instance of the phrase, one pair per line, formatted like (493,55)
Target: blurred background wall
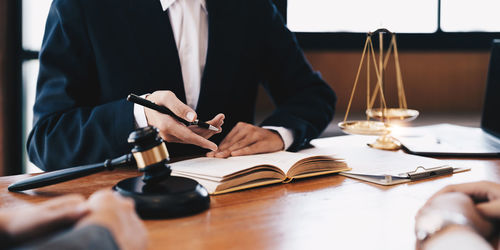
(436,82)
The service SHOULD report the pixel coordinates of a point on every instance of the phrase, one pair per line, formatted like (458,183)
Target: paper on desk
(369,161)
(447,139)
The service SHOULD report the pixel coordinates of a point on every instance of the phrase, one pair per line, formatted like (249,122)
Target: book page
(210,185)
(218,168)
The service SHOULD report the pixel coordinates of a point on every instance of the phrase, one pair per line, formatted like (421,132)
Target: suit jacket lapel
(156,47)
(209,64)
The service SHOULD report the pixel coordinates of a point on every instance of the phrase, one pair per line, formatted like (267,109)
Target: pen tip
(213,128)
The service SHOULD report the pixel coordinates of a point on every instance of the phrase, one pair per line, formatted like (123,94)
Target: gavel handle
(63,175)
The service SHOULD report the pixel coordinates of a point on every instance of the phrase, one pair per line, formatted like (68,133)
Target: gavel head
(150,153)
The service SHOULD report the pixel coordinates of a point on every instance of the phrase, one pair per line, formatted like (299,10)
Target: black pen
(164,110)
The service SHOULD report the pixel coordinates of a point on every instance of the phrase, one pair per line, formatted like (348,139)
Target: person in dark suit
(202,59)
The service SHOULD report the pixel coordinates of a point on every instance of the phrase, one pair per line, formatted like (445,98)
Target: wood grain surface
(329,212)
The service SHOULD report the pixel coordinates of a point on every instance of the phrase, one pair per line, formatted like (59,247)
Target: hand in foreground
(478,202)
(32,221)
(172,130)
(247,139)
(118,215)
(486,195)
(453,204)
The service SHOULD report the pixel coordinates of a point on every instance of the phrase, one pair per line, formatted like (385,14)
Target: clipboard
(420,173)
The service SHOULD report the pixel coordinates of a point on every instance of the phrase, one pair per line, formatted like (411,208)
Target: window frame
(12,117)
(438,40)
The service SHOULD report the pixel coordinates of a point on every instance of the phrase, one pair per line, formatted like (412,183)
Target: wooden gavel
(149,154)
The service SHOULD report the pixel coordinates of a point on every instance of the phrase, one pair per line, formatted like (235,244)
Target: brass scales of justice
(378,120)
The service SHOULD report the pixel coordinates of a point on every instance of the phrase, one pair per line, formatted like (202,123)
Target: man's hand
(117,214)
(247,139)
(486,195)
(457,203)
(479,202)
(32,221)
(172,130)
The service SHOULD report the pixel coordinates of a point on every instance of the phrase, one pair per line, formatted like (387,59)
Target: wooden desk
(325,212)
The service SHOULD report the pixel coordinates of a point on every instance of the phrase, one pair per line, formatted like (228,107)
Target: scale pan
(392,114)
(364,127)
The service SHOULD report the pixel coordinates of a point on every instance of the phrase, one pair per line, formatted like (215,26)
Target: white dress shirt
(189,20)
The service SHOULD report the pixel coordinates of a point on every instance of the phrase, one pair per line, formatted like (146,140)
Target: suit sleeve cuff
(140,115)
(286,135)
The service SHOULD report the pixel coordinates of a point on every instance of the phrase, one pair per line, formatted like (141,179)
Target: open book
(235,173)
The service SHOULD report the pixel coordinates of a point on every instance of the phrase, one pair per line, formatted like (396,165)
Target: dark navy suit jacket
(96,52)
(89,237)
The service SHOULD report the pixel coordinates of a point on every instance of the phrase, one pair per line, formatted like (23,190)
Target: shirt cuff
(286,135)
(140,115)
